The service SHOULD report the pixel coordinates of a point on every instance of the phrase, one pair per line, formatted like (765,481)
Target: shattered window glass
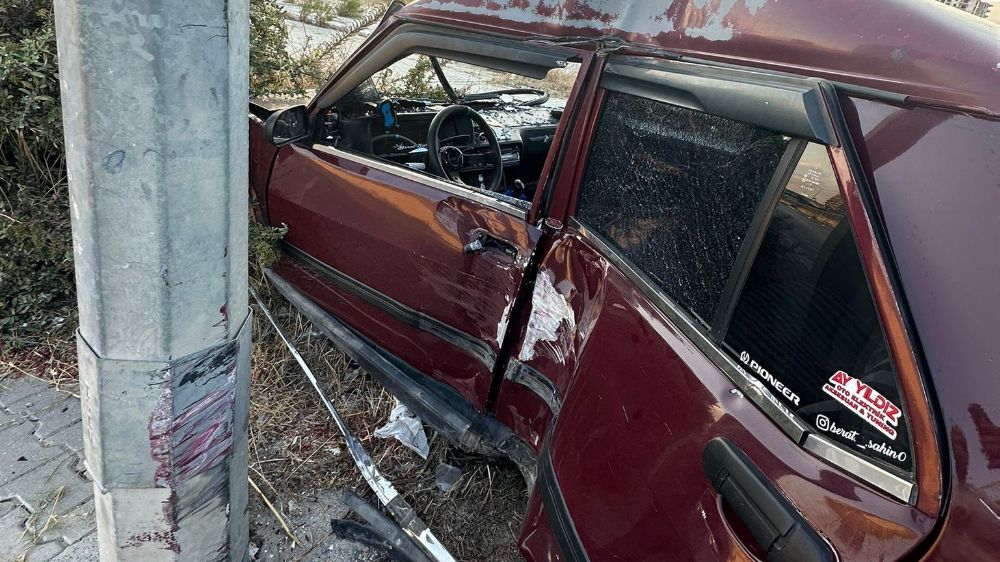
(806,326)
(676,190)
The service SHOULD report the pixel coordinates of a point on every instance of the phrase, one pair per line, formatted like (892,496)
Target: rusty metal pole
(154,100)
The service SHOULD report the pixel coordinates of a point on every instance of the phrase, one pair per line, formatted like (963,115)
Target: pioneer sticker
(864,401)
(769,378)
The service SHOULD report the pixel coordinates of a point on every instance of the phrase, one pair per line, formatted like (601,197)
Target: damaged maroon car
(720,277)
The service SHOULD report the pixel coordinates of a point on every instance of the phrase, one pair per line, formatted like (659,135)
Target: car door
(704,365)
(423,268)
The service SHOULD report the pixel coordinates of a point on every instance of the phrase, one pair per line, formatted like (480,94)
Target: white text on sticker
(864,401)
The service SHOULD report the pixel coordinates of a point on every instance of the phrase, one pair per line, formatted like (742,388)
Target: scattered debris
(446,476)
(383,488)
(405,427)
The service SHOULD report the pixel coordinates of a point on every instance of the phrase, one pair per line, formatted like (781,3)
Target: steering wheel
(447,161)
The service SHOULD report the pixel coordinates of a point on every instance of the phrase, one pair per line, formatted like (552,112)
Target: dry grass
(295,447)
(52,360)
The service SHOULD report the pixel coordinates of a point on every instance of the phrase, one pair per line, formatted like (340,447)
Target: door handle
(772,520)
(483,240)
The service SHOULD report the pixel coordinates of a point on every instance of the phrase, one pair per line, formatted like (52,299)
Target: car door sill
(440,406)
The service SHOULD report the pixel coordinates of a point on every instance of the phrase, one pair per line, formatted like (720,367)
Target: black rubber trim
(775,102)
(413,318)
(441,406)
(755,235)
(570,545)
(400,547)
(536,382)
(775,524)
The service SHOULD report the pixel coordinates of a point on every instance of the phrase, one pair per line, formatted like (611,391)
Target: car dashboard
(524,133)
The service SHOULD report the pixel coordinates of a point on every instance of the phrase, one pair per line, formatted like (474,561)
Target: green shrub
(272,71)
(37,292)
(418,82)
(317,12)
(263,242)
(349,8)
(36,267)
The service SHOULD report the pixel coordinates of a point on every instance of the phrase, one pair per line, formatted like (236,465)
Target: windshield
(472,81)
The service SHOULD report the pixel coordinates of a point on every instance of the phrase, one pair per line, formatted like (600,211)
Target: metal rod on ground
(154,103)
(383,488)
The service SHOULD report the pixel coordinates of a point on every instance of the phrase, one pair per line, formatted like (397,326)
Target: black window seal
(755,235)
(779,103)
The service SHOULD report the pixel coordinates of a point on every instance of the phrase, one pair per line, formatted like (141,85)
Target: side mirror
(286,126)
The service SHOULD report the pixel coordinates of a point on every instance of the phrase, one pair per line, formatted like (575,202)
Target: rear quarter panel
(937,177)
(641,402)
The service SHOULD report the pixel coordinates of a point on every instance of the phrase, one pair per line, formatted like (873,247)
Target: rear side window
(805,323)
(676,191)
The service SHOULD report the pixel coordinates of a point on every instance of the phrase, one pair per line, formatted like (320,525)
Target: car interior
(484,129)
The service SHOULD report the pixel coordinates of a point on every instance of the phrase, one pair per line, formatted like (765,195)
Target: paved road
(46,499)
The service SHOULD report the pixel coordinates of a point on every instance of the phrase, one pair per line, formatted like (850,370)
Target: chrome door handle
(483,240)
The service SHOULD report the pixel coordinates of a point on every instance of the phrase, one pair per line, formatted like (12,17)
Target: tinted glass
(675,190)
(805,323)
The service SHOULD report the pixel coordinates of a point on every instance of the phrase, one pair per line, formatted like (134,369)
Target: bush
(37,292)
(272,71)
(317,12)
(418,82)
(36,267)
(349,9)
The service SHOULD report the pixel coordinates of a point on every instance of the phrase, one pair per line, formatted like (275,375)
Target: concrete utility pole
(154,99)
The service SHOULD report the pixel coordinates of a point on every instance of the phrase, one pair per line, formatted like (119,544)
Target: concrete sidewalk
(46,499)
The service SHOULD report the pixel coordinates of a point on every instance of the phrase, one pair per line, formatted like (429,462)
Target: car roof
(918,48)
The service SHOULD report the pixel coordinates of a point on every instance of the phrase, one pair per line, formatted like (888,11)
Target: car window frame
(518,57)
(803,116)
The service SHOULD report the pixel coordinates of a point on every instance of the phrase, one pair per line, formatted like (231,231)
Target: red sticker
(864,401)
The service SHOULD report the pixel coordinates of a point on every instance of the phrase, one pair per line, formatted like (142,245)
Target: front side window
(496,146)
(676,190)
(805,323)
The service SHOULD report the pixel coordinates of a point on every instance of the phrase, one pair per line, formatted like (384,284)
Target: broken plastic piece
(406,428)
(446,476)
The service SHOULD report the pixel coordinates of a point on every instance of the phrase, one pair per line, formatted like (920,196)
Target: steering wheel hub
(452,157)
(448,160)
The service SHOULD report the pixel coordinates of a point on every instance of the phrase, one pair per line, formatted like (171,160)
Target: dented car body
(733,297)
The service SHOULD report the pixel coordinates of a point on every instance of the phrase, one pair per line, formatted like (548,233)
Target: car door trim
(755,236)
(567,538)
(440,405)
(752,388)
(414,318)
(532,379)
(485,198)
